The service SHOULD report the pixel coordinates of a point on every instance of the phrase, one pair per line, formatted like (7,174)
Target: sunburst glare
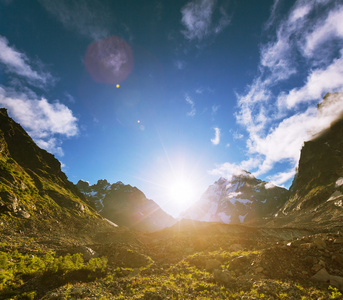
(181,191)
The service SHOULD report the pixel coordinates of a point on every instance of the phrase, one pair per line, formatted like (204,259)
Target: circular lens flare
(109,60)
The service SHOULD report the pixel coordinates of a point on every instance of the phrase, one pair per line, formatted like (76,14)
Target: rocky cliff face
(126,205)
(316,192)
(35,195)
(241,199)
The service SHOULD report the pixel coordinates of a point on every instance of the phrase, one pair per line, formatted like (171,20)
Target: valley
(110,242)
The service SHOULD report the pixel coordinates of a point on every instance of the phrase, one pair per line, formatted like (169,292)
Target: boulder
(322,276)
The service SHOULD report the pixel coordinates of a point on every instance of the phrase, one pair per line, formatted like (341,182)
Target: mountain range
(125,205)
(242,198)
(244,237)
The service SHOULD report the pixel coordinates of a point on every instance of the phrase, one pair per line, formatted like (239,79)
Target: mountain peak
(240,173)
(125,205)
(238,200)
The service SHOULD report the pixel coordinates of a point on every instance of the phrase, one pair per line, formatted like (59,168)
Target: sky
(169,96)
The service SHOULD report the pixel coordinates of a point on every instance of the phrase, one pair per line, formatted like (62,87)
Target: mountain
(54,245)
(36,197)
(316,191)
(241,199)
(126,205)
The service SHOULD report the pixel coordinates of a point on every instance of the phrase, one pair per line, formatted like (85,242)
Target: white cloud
(319,82)
(280,178)
(19,64)
(45,122)
(88,18)
(197,18)
(228,169)
(329,29)
(307,44)
(285,141)
(216,139)
(192,112)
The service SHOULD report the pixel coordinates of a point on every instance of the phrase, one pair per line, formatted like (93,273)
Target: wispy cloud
(228,169)
(306,44)
(215,109)
(193,111)
(329,29)
(216,140)
(237,135)
(47,123)
(179,64)
(88,18)
(18,63)
(318,83)
(198,20)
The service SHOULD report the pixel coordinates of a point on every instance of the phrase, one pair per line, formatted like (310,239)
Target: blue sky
(207,87)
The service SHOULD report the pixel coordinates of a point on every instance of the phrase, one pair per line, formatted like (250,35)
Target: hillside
(241,199)
(126,205)
(34,192)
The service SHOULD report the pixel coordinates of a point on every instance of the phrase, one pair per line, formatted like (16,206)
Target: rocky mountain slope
(39,207)
(33,187)
(241,199)
(126,205)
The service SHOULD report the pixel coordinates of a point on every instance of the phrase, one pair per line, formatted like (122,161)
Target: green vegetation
(18,269)
(185,282)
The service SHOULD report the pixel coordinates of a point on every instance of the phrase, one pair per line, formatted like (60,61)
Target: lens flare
(109,60)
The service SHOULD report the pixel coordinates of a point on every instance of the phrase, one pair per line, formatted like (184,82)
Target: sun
(181,191)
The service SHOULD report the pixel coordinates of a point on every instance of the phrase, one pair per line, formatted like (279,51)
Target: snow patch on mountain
(238,200)
(243,201)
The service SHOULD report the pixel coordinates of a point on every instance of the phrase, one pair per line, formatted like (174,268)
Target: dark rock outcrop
(316,193)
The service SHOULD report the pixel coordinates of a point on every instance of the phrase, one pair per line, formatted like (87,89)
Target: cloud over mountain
(45,122)
(277,110)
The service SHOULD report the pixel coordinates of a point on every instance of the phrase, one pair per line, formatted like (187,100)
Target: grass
(188,284)
(18,271)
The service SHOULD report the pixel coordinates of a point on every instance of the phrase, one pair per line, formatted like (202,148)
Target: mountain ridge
(126,205)
(242,198)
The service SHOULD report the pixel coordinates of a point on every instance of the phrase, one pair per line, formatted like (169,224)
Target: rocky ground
(191,260)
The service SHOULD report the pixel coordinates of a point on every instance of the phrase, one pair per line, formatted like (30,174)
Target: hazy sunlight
(181,191)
